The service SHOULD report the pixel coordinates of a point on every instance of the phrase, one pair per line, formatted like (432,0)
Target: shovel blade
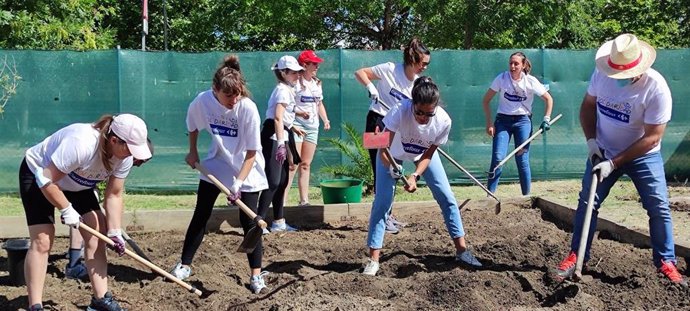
(376,140)
(251,240)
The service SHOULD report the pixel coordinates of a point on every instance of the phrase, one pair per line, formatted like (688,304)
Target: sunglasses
(138,162)
(425,64)
(424,113)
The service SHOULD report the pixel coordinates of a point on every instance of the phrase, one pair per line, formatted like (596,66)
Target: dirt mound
(318,269)
(680,204)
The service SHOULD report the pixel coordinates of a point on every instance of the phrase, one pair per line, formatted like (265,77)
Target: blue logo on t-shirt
(414,149)
(398,95)
(223,131)
(308,99)
(613,113)
(82,181)
(514,98)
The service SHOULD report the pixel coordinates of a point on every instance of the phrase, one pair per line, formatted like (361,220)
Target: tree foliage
(269,25)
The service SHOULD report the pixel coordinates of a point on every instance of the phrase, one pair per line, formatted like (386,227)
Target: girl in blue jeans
(514,118)
(417,127)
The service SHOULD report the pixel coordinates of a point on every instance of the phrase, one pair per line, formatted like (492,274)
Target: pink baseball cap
(132,130)
(308,56)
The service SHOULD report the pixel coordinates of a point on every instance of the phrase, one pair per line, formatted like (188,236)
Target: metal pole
(144,23)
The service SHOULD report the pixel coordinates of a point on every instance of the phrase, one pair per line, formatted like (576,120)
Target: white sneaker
(257,283)
(181,272)
(265,231)
(371,268)
(282,226)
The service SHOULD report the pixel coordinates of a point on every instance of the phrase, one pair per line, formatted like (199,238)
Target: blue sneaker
(107,303)
(78,272)
(468,259)
(282,227)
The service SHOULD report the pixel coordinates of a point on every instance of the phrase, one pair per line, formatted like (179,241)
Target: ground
(319,268)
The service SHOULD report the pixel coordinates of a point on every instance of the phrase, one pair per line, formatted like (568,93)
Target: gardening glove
(116,236)
(546,124)
(70,217)
(373,92)
(605,168)
(281,153)
(396,171)
(593,149)
(235,190)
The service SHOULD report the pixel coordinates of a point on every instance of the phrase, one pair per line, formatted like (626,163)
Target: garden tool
(381,141)
(577,275)
(253,236)
(492,174)
(447,156)
(142,260)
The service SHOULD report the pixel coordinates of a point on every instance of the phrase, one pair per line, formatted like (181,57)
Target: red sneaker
(566,267)
(668,268)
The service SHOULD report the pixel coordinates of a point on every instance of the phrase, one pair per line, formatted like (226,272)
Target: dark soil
(319,269)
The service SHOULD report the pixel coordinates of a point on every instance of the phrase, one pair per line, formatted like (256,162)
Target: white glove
(236,185)
(593,149)
(373,92)
(70,217)
(605,168)
(396,171)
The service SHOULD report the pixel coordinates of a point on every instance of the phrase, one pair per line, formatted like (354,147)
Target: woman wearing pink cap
(309,102)
(62,171)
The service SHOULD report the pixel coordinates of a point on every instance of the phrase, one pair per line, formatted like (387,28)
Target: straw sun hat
(625,57)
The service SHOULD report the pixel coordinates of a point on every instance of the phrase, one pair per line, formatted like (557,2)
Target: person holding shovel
(623,116)
(514,118)
(418,126)
(232,119)
(394,84)
(62,172)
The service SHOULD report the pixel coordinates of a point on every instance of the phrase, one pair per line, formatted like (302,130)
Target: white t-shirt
(74,151)
(412,139)
(285,95)
(233,132)
(308,98)
(623,112)
(516,97)
(393,86)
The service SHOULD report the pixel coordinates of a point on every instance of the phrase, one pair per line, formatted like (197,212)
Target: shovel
(518,148)
(577,275)
(253,236)
(445,155)
(142,260)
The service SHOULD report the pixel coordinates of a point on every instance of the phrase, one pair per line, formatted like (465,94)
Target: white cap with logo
(132,130)
(287,62)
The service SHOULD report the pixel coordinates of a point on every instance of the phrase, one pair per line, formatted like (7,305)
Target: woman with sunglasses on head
(232,119)
(417,127)
(514,118)
(394,84)
(309,99)
(278,141)
(61,172)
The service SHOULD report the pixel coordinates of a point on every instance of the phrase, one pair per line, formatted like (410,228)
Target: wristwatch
(416,176)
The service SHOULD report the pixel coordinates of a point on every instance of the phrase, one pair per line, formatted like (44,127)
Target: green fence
(63,87)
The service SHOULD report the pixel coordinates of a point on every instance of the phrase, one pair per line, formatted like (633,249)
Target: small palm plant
(353,148)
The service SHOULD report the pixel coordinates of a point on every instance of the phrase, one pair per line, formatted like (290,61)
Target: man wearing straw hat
(623,116)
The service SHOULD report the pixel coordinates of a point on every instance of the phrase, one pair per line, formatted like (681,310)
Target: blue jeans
(521,128)
(647,174)
(437,181)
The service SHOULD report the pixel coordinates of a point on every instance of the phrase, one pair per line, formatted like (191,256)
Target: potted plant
(358,169)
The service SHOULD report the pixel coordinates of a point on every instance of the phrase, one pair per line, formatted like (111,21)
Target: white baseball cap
(287,62)
(132,130)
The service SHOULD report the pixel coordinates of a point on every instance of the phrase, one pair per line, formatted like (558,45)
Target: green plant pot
(341,191)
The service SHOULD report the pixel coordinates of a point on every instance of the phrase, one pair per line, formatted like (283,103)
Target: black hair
(425,91)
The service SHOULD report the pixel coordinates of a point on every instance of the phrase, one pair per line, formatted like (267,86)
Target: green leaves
(353,149)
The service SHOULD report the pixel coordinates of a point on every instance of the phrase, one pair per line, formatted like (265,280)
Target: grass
(562,191)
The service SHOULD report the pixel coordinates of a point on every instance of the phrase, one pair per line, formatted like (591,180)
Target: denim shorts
(312,135)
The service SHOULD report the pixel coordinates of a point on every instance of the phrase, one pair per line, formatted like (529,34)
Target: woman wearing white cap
(309,99)
(277,137)
(394,84)
(623,117)
(61,172)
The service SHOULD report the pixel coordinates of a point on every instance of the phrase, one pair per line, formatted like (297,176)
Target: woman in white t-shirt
(309,99)
(232,119)
(277,136)
(514,118)
(62,171)
(417,127)
(394,84)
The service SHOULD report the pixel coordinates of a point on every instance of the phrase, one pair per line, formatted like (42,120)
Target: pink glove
(116,236)
(281,154)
